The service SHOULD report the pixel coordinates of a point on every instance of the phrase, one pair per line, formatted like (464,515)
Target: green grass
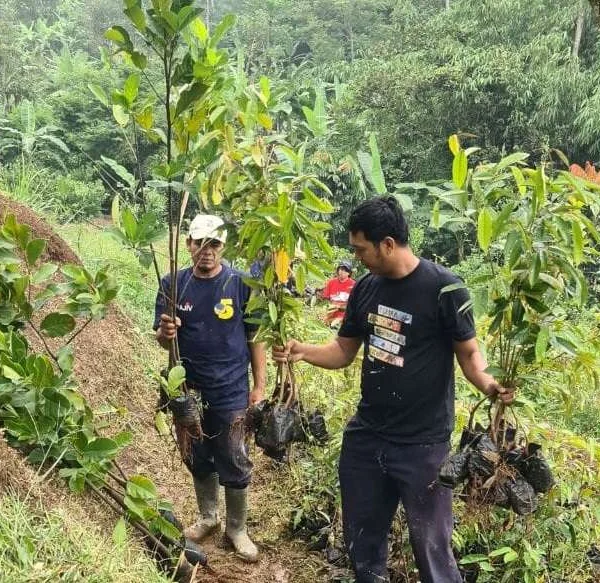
(38,547)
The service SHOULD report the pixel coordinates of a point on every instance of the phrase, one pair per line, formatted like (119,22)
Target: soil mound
(57,251)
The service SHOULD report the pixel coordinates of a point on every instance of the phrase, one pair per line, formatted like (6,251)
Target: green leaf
(160,422)
(578,244)
(121,172)
(119,36)
(541,343)
(190,96)
(199,30)
(460,169)
(166,528)
(45,271)
(141,487)
(66,358)
(137,17)
(131,88)
(485,228)
(312,202)
(99,93)
(55,324)
(221,29)
(273,312)
(377,176)
(176,378)
(101,448)
(139,60)
(534,270)
(500,552)
(34,249)
(119,534)
(120,115)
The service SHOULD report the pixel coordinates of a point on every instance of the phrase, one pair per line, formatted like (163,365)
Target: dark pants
(375,475)
(223,449)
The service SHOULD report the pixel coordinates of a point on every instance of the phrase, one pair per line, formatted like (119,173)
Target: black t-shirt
(408,326)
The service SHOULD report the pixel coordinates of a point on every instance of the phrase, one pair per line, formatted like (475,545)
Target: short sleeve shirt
(408,326)
(213,336)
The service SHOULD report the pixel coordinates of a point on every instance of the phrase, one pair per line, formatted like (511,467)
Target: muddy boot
(207,495)
(236,502)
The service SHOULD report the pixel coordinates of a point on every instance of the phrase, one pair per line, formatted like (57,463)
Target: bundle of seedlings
(494,466)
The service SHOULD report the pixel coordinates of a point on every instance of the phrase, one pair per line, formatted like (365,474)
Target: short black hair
(378,218)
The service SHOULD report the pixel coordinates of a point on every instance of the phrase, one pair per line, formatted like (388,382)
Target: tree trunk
(447,4)
(578,31)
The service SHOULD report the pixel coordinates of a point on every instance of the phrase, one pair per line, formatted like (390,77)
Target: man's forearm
(473,368)
(330,356)
(258,363)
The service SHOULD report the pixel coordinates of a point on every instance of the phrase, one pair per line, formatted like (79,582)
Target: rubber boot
(207,495)
(236,503)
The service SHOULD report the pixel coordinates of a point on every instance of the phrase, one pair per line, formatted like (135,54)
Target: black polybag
(535,469)
(315,426)
(455,469)
(280,426)
(483,458)
(521,495)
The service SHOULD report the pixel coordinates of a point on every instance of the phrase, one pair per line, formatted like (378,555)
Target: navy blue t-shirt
(408,326)
(213,341)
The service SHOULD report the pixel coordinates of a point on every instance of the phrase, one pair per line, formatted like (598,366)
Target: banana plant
(535,230)
(370,163)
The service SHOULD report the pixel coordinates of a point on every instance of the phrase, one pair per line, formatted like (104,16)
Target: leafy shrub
(74,199)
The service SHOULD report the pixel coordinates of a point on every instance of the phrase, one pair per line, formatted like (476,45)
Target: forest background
(373,88)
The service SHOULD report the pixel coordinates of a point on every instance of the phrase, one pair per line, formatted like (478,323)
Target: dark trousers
(375,475)
(222,450)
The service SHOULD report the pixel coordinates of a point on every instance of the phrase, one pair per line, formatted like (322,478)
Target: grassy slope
(36,546)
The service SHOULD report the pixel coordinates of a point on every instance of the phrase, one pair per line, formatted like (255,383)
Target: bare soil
(113,370)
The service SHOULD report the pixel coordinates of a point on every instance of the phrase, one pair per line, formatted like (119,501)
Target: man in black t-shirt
(216,349)
(411,324)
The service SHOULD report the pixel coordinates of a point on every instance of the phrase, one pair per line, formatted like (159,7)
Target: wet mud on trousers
(223,449)
(375,475)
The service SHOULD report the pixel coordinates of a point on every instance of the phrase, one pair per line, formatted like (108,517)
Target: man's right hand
(167,328)
(291,352)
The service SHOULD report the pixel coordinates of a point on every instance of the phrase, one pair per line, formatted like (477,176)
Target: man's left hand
(495,390)
(256,396)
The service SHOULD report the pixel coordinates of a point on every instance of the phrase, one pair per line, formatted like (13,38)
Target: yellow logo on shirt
(224,309)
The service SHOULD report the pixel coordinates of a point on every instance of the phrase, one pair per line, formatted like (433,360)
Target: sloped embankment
(113,371)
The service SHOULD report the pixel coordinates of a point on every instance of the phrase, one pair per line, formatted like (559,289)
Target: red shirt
(338,292)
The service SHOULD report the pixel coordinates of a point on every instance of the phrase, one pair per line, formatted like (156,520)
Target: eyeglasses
(212,243)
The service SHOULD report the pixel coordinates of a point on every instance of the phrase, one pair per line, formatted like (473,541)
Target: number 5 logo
(224,309)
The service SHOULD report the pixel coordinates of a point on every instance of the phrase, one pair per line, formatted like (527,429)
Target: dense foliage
(297,109)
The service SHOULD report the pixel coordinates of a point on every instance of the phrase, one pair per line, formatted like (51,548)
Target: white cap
(208,227)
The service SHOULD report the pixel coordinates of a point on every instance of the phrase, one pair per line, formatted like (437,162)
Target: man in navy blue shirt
(216,349)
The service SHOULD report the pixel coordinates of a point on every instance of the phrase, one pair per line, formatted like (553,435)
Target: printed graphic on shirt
(389,335)
(224,309)
(386,342)
(385,356)
(186,307)
(395,314)
(384,322)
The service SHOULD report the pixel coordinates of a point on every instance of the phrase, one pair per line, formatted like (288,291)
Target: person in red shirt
(337,291)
